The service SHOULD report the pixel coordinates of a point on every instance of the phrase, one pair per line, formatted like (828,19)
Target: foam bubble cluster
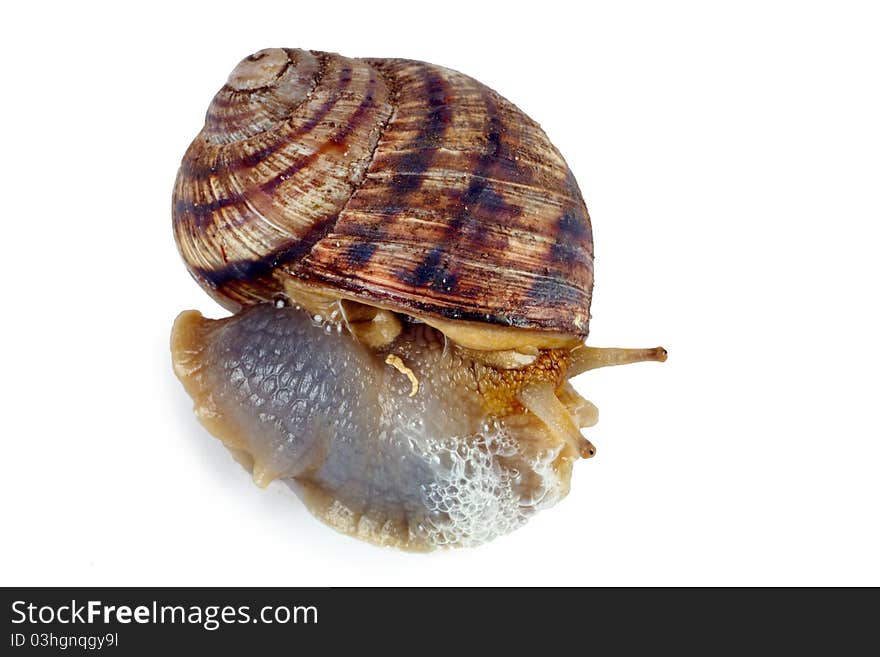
(478,492)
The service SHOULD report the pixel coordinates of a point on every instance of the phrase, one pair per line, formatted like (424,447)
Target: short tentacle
(540,399)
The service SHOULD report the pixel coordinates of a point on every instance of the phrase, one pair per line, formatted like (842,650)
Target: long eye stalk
(591,358)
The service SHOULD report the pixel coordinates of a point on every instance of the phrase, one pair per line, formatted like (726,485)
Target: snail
(409,261)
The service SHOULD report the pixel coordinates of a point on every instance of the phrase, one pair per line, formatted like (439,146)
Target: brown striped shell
(397,183)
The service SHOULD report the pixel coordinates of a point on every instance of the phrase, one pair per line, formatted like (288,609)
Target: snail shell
(410,263)
(393,182)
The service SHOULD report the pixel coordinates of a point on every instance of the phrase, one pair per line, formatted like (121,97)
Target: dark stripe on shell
(359,254)
(335,142)
(421,149)
(299,246)
(418,157)
(564,256)
(434,271)
(572,224)
(245,270)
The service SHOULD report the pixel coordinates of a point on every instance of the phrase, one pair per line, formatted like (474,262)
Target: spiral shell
(395,182)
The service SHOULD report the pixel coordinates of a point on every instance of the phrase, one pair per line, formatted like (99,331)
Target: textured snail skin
(393,182)
(418,472)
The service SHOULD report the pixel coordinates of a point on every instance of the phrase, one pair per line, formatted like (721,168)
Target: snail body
(410,263)
(416,471)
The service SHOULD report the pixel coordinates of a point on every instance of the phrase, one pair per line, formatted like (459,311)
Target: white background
(730,157)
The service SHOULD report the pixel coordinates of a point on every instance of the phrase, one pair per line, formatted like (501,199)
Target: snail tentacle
(586,358)
(540,398)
